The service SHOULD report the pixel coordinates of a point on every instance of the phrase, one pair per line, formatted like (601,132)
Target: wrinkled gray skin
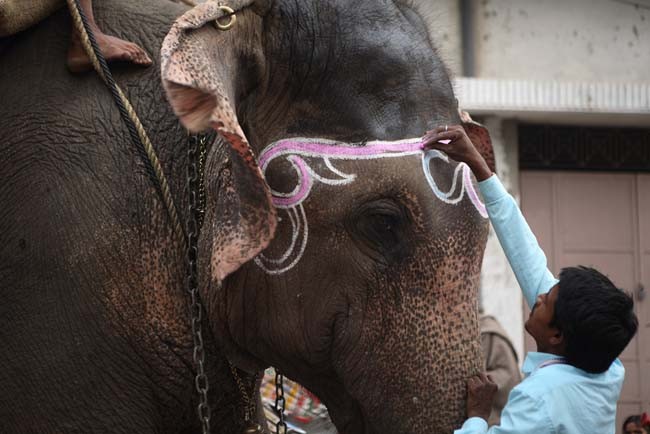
(378,318)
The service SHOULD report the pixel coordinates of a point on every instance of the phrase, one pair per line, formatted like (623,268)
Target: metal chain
(280,426)
(203,152)
(196,309)
(196,153)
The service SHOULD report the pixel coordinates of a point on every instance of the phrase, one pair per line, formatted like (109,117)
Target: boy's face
(547,337)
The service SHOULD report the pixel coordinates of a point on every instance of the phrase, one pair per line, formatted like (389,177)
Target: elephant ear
(203,77)
(480,136)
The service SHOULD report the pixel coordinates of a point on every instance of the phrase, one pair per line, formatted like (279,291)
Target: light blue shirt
(552,398)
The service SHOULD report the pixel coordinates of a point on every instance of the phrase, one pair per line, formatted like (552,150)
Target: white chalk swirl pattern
(296,150)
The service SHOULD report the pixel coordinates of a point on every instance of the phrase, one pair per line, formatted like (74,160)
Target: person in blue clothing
(581,323)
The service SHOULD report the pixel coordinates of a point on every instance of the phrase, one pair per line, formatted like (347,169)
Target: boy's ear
(557,339)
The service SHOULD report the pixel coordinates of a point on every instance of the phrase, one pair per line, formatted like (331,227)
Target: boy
(581,323)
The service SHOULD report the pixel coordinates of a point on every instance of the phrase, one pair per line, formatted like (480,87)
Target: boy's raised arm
(517,240)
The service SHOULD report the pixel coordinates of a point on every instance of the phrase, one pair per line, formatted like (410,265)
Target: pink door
(600,220)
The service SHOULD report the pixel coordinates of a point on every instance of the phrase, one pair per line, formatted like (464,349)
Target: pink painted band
(337,149)
(471,192)
(321,148)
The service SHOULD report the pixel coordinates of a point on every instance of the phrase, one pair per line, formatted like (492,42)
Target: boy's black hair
(635,418)
(595,317)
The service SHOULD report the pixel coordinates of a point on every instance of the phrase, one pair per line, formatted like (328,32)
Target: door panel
(596,212)
(619,267)
(538,207)
(600,220)
(643,306)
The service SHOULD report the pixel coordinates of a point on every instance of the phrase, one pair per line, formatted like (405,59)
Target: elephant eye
(381,228)
(383,225)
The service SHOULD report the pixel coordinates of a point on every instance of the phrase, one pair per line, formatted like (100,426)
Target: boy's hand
(480,395)
(459,147)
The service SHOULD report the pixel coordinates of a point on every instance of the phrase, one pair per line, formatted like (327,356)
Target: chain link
(203,152)
(280,426)
(195,144)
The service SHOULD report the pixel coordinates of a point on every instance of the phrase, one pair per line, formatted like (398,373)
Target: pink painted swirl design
(296,149)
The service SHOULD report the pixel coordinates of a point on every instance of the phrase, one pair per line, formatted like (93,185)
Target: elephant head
(333,247)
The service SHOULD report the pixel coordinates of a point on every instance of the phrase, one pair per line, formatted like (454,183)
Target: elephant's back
(69,169)
(46,110)
(73,201)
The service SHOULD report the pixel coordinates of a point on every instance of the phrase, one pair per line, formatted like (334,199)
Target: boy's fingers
(442,135)
(487,379)
(447,135)
(442,129)
(441,146)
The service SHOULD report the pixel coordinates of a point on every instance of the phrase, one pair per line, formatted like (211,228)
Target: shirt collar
(534,360)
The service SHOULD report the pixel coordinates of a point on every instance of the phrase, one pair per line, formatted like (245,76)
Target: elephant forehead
(340,150)
(309,162)
(303,153)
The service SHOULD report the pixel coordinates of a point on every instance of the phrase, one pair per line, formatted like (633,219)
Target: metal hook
(228,11)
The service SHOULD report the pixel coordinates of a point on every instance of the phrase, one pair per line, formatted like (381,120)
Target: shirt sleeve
(517,240)
(473,425)
(522,415)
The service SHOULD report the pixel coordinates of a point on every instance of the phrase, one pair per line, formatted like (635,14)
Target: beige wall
(445,24)
(587,40)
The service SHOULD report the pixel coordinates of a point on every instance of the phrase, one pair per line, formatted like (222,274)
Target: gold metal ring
(231,14)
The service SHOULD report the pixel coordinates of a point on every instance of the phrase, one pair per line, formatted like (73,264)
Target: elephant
(333,247)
